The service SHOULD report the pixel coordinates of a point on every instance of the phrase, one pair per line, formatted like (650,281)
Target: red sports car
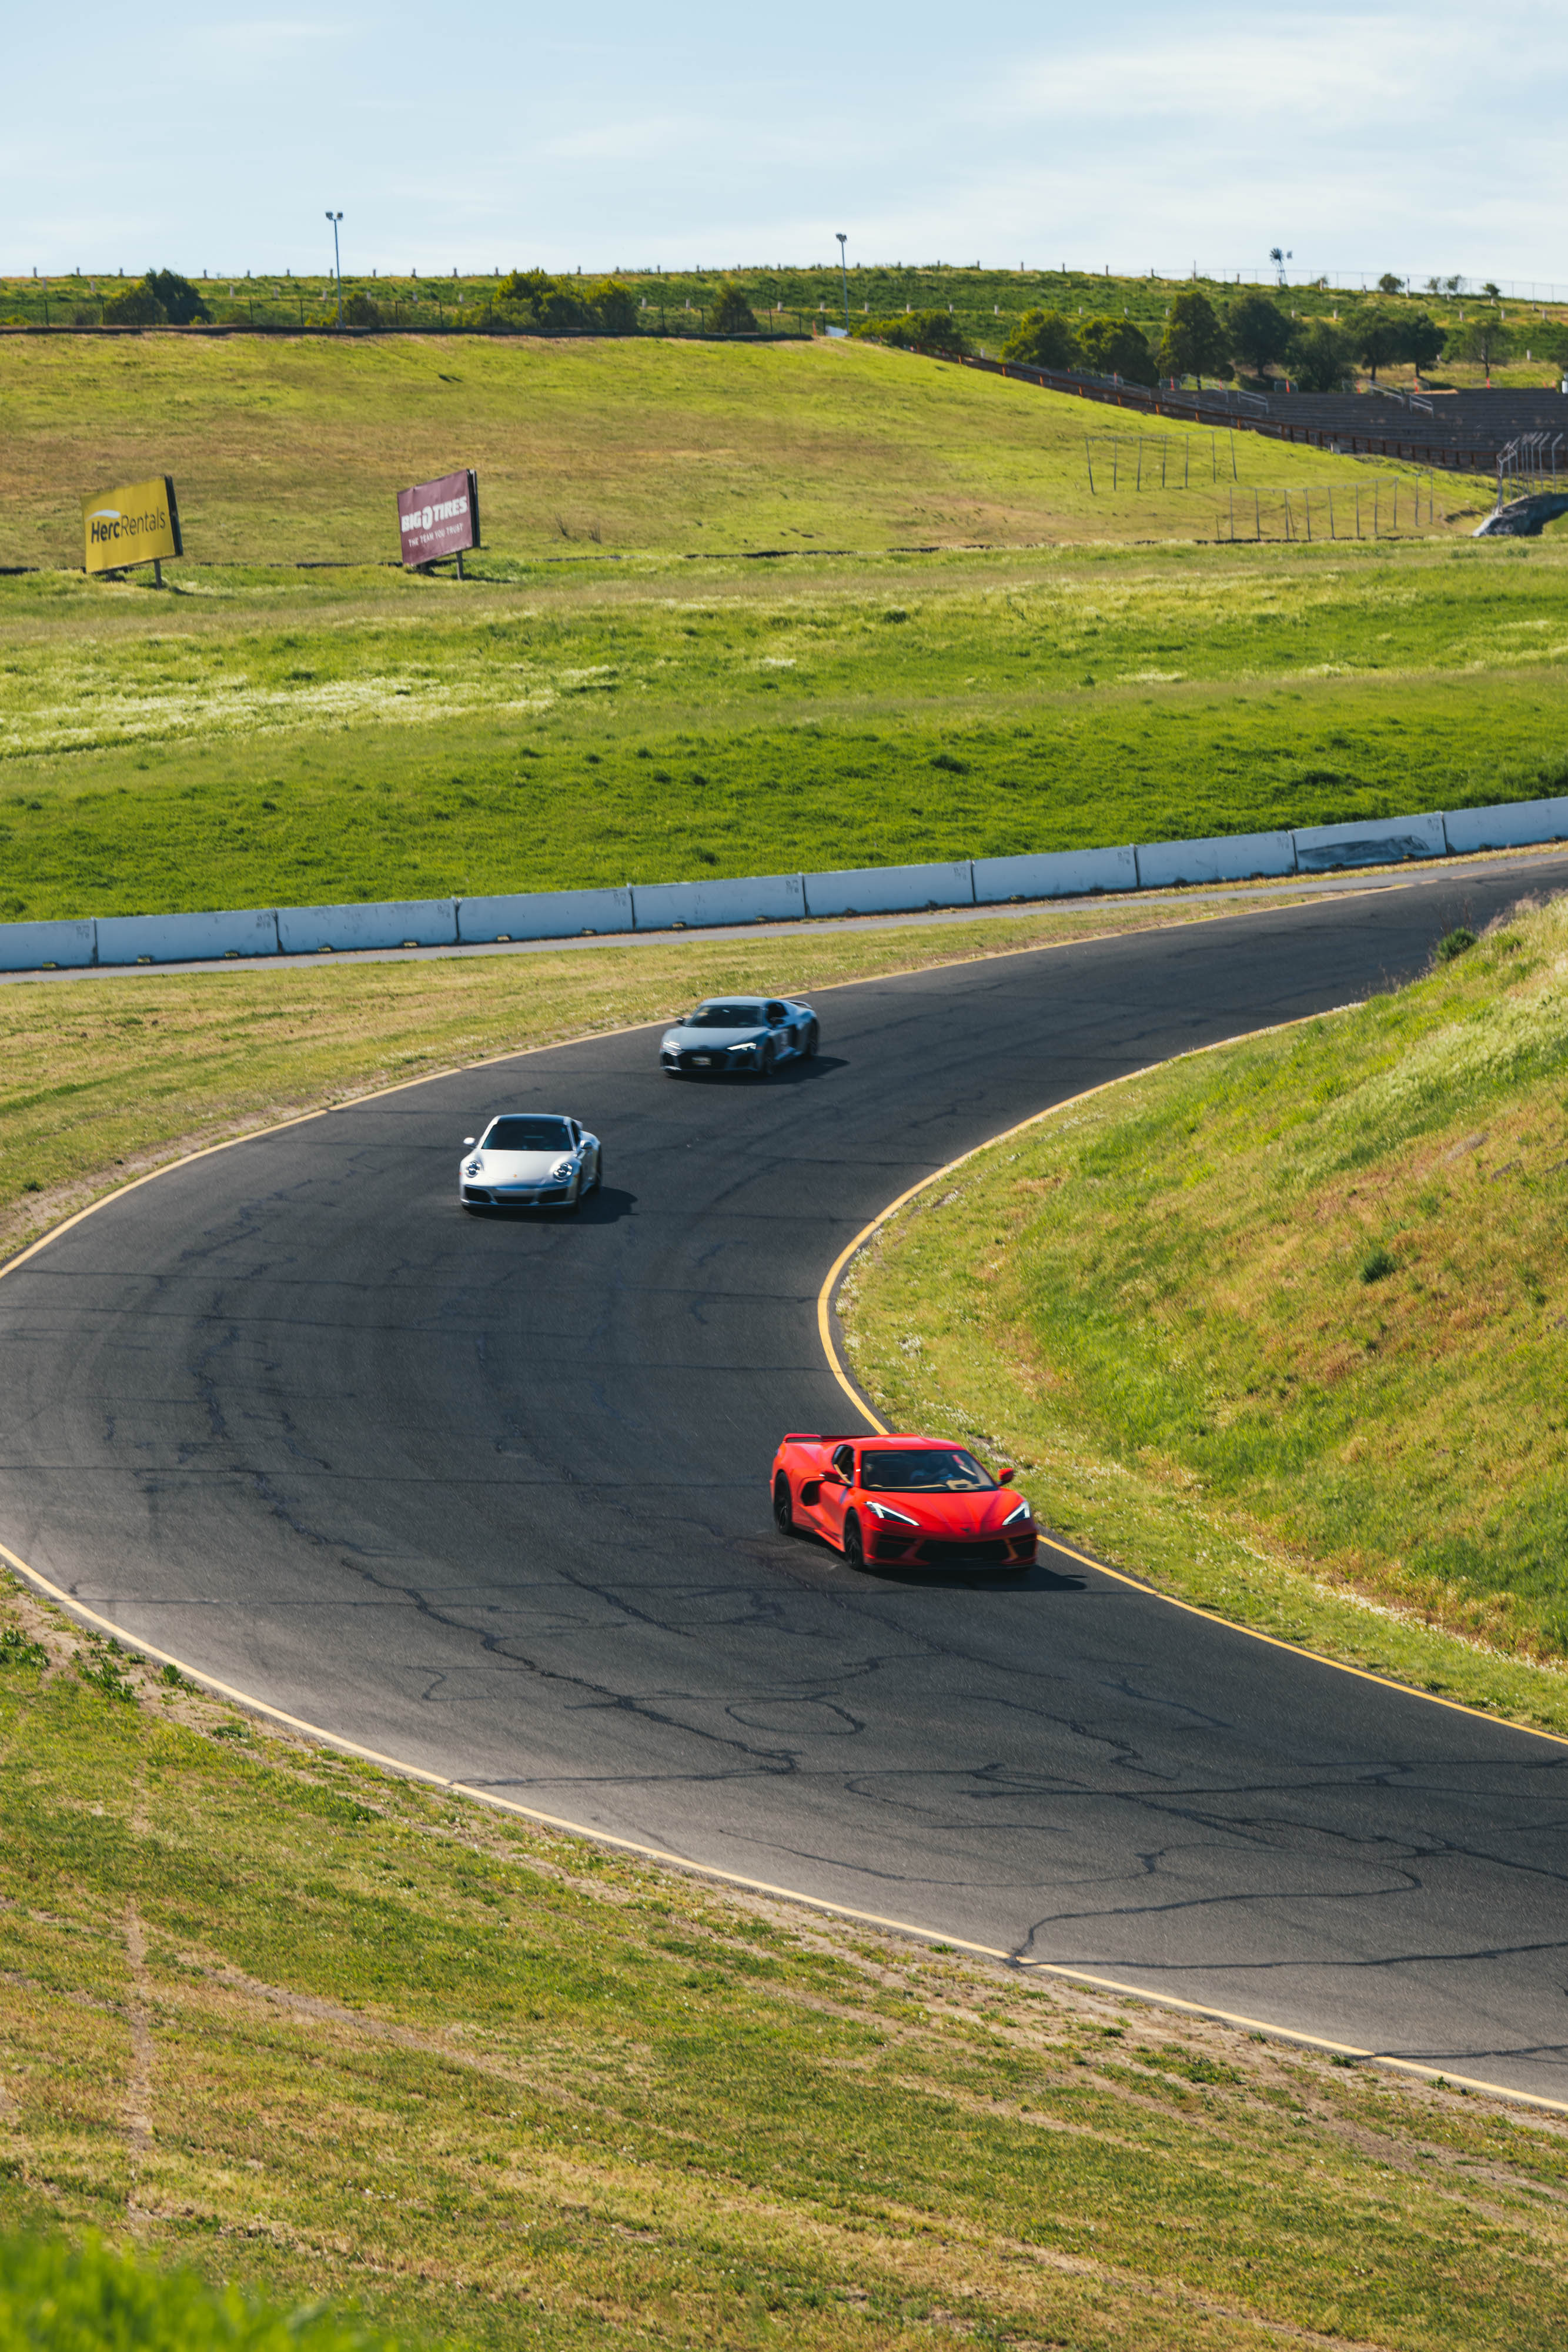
(921,1502)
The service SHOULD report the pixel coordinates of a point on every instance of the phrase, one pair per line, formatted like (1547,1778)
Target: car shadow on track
(1037,1578)
(785,1074)
(606,1206)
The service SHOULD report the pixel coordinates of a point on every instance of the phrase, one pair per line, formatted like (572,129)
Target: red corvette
(922,1502)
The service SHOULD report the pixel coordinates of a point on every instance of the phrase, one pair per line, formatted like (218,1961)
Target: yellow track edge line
(666,1859)
(1188,1608)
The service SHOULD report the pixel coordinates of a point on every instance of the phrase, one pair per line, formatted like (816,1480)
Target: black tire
(575,1202)
(854,1546)
(765,1064)
(809,1043)
(783,1508)
(598,1171)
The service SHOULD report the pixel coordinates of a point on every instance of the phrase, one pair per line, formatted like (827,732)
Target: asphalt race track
(490,1496)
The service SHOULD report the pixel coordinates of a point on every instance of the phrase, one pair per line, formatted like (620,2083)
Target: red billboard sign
(439,519)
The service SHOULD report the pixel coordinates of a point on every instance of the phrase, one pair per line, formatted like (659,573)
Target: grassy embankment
(1283,1327)
(101,1080)
(322,2032)
(987,303)
(268,733)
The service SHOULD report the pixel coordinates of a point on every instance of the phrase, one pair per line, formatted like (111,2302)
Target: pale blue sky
(1418,139)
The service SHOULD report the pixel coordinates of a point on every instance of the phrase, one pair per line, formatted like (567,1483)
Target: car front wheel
(854,1546)
(809,1042)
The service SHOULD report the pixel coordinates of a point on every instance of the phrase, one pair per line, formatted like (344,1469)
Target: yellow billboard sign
(137,524)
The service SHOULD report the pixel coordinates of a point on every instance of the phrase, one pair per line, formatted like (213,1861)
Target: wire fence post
(1257,515)
(1089,456)
(1331,533)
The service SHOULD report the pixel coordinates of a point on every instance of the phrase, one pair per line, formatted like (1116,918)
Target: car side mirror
(1005,1478)
(468,1143)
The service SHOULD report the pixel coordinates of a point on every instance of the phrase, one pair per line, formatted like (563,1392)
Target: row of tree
(530,302)
(1253,337)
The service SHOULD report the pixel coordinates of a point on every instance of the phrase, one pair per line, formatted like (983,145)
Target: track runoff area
(487,1499)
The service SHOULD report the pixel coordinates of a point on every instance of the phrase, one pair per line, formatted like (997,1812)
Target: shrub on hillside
(732,313)
(530,301)
(359,311)
(916,331)
(137,307)
(182,305)
(1195,341)
(1044,339)
(1117,347)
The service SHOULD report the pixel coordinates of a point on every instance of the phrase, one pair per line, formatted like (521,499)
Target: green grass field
(1284,1325)
(1101,671)
(317,2032)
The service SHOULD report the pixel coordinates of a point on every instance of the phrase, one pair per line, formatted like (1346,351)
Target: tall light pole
(844,272)
(337,264)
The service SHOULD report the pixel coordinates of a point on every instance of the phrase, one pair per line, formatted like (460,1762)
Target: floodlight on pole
(337,262)
(842,236)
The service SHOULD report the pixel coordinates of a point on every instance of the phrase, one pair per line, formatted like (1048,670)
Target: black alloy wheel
(765,1060)
(597,1173)
(809,1042)
(854,1547)
(783,1509)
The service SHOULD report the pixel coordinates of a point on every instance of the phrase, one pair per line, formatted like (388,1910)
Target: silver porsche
(531,1160)
(748,1034)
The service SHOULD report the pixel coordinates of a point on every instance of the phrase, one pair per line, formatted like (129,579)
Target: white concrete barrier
(543,914)
(31,947)
(1370,841)
(186,938)
(1055,874)
(1229,857)
(394,923)
(1514,825)
(889,889)
(771,897)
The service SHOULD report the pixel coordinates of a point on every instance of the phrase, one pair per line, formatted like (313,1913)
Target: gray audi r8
(531,1160)
(746,1034)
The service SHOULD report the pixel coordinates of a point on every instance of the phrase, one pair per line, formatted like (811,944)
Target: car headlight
(562,1171)
(749,1047)
(886,1511)
(1019,1511)
(475,1168)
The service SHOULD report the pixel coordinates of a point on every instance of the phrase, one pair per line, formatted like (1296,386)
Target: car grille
(542,1197)
(689,1061)
(938,1554)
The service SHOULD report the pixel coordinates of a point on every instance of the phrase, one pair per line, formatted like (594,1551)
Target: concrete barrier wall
(394,923)
(889,889)
(770,898)
(544,914)
(118,940)
(1513,826)
(186,938)
(1230,857)
(1059,874)
(29,947)
(1372,841)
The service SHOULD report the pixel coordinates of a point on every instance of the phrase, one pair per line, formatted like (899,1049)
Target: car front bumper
(950,1551)
(515,1196)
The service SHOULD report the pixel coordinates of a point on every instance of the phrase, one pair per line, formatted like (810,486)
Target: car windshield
(726,1016)
(891,1468)
(528,1134)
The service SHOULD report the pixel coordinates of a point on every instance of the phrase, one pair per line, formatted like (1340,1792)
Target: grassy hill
(625,690)
(791,300)
(1307,1296)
